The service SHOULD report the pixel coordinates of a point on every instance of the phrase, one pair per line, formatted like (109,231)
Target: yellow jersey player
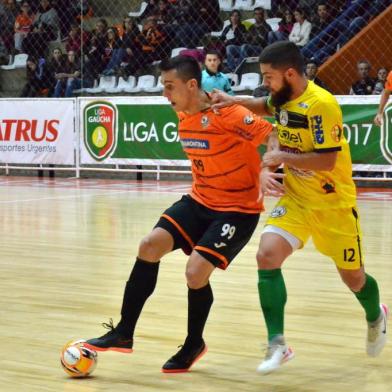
(318,196)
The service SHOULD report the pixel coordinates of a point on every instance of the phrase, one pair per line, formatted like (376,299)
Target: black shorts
(218,236)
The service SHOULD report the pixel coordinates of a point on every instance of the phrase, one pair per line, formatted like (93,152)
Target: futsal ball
(78,360)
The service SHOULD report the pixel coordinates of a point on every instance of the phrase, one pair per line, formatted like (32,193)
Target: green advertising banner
(143,130)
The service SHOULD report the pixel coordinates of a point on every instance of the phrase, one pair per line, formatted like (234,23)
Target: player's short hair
(283,54)
(187,68)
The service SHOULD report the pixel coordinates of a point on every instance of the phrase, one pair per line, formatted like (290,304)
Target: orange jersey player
(211,224)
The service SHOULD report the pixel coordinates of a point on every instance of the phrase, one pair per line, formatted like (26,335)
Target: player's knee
(148,249)
(194,279)
(354,281)
(268,258)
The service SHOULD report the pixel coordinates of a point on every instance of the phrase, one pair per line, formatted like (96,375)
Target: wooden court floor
(67,247)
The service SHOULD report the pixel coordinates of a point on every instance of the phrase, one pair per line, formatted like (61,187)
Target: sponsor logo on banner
(100,129)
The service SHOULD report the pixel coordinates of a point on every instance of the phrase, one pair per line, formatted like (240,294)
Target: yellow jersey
(313,122)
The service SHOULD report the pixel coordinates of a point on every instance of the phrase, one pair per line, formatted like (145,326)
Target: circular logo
(336,133)
(99,137)
(283,117)
(205,121)
(277,212)
(248,119)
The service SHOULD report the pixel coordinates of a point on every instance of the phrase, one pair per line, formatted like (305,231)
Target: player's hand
(273,158)
(270,184)
(220,99)
(378,119)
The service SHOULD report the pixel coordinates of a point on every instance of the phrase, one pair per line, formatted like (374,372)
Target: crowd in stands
(318,27)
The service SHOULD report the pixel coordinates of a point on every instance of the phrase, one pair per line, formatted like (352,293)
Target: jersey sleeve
(388,83)
(246,125)
(326,126)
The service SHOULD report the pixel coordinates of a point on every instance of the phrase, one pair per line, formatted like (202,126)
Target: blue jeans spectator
(274,36)
(114,62)
(237,53)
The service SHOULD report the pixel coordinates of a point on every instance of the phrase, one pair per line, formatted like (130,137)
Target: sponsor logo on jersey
(317,129)
(283,117)
(336,133)
(287,136)
(199,144)
(205,121)
(248,119)
(303,105)
(277,212)
(328,185)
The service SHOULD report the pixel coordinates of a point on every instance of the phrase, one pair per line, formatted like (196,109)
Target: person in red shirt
(212,223)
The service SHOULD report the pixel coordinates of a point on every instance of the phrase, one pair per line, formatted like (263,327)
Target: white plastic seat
(226,5)
(105,82)
(219,33)
(155,89)
(176,51)
(123,85)
(249,81)
(233,77)
(145,81)
(274,23)
(19,62)
(266,4)
(135,14)
(246,5)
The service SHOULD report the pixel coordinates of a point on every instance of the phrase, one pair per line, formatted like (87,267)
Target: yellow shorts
(336,232)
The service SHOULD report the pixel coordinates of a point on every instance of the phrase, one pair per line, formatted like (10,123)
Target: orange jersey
(223,150)
(388,83)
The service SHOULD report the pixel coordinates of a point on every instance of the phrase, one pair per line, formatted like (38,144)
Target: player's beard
(282,96)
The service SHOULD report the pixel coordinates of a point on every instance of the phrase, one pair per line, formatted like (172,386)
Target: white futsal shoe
(377,333)
(277,354)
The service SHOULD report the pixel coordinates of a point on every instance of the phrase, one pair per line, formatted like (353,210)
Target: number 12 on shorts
(349,254)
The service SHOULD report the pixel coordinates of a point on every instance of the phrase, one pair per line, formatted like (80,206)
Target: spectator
(37,76)
(133,59)
(96,49)
(323,19)
(301,30)
(311,74)
(76,40)
(45,28)
(382,74)
(7,23)
(165,12)
(257,37)
(233,36)
(56,66)
(151,9)
(212,77)
(23,24)
(114,52)
(68,80)
(365,84)
(153,41)
(285,28)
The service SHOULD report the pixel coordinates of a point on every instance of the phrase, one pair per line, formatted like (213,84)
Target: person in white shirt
(301,30)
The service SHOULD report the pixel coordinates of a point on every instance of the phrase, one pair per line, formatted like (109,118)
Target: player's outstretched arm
(383,101)
(258,106)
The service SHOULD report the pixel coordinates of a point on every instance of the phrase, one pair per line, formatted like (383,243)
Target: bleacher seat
(245,5)
(233,77)
(144,82)
(266,4)
(123,85)
(249,81)
(274,23)
(19,62)
(155,89)
(136,14)
(176,51)
(105,82)
(219,33)
(226,5)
